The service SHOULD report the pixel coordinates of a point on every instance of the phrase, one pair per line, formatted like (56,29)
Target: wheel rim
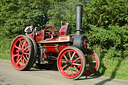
(20,52)
(91,63)
(70,63)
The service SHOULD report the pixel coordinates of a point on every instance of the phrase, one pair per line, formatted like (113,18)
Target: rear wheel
(21,53)
(92,63)
(71,62)
(34,45)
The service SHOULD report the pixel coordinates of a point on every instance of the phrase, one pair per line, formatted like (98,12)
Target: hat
(28,24)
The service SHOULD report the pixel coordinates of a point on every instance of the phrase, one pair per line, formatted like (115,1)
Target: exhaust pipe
(79,9)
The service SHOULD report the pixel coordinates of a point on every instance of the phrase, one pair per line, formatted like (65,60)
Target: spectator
(35,29)
(29,29)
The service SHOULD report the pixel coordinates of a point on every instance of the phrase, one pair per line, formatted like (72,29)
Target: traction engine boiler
(46,47)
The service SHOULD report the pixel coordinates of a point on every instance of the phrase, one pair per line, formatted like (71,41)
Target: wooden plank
(60,40)
(52,41)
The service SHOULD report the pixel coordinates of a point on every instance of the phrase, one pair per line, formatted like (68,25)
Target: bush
(114,40)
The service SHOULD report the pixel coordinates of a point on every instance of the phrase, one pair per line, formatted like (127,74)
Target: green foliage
(15,14)
(114,39)
(107,12)
(60,11)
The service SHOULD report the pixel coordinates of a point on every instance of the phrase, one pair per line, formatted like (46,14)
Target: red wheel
(51,31)
(50,28)
(92,63)
(22,53)
(34,45)
(71,62)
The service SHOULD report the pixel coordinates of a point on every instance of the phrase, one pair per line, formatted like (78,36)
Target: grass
(114,68)
(4,56)
(5,48)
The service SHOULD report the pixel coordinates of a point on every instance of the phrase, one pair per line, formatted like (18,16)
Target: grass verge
(114,68)
(4,56)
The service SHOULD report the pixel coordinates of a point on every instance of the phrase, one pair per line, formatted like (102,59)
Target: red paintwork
(54,48)
(62,47)
(53,44)
(67,70)
(57,48)
(63,30)
(44,55)
(85,44)
(92,63)
(64,38)
(50,48)
(19,60)
(53,28)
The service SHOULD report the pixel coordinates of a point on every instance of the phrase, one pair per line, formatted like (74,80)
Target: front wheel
(71,62)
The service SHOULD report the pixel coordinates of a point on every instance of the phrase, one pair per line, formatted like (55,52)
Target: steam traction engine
(50,45)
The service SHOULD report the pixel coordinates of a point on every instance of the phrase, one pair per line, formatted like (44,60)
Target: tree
(15,14)
(107,12)
(59,11)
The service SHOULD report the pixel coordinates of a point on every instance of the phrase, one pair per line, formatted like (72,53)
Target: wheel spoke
(18,60)
(76,68)
(26,47)
(76,59)
(17,51)
(15,55)
(76,64)
(71,70)
(68,69)
(64,61)
(18,57)
(17,47)
(64,66)
(22,61)
(26,53)
(20,44)
(73,55)
(69,55)
(24,58)
(27,50)
(23,44)
(65,58)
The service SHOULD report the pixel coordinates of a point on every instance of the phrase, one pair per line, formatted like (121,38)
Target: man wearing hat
(29,29)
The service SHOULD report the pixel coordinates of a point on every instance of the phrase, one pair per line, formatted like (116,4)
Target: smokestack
(79,9)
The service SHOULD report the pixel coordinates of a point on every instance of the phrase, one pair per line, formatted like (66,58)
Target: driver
(29,29)
(69,28)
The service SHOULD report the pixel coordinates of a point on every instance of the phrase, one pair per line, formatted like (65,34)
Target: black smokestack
(79,9)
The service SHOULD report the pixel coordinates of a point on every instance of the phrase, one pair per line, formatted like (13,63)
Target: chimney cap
(79,5)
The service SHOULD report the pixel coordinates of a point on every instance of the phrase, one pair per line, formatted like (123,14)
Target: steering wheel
(51,31)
